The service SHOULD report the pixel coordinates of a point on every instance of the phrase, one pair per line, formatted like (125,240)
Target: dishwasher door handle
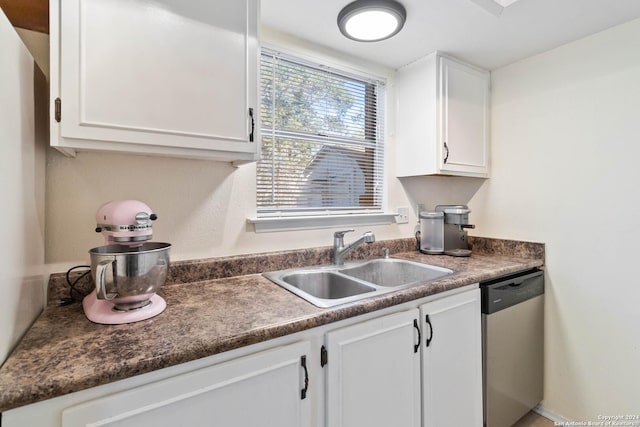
(515,284)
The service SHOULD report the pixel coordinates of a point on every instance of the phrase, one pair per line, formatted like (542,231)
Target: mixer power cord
(74,283)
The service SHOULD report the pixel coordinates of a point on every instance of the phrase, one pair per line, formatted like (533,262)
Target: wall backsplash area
(202,206)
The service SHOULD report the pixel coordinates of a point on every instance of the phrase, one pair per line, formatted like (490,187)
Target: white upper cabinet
(157,77)
(442,118)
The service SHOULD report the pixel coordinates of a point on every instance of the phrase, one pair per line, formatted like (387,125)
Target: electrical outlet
(403,215)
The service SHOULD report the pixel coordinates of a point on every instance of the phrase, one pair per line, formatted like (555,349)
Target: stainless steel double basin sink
(332,285)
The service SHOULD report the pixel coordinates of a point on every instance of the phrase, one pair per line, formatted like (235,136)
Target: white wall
(38,45)
(202,205)
(21,188)
(565,152)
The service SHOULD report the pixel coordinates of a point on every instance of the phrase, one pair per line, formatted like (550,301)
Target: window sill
(311,222)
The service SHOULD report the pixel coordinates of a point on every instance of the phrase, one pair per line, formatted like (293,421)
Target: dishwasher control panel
(504,292)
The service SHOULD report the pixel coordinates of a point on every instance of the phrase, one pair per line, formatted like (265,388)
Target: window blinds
(322,139)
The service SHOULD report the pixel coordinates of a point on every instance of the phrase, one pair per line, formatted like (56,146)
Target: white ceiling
(461,28)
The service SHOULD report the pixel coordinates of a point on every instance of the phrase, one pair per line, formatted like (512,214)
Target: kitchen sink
(326,284)
(333,285)
(392,272)
(322,286)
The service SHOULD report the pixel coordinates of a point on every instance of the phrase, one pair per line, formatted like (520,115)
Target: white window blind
(322,140)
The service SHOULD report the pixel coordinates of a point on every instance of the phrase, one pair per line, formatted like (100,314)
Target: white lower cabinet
(385,372)
(387,368)
(452,361)
(373,373)
(263,389)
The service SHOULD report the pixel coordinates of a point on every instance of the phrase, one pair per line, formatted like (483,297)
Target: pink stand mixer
(128,270)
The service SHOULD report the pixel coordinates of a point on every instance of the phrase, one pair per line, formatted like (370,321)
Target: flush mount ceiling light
(371,20)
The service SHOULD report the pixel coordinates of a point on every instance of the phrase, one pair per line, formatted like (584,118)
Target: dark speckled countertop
(214,306)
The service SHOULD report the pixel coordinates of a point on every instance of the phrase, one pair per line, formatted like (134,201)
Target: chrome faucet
(340,251)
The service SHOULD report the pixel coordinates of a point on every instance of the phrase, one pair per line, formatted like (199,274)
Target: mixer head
(125,222)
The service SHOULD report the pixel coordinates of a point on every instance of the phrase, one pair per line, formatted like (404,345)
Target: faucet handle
(340,234)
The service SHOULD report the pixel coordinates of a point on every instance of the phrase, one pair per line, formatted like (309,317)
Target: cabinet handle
(303,392)
(253,124)
(57,115)
(417,346)
(446,157)
(430,330)
(324,357)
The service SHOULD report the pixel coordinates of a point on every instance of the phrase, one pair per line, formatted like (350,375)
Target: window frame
(326,217)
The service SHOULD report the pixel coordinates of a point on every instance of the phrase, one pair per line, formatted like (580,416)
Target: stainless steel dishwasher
(512,346)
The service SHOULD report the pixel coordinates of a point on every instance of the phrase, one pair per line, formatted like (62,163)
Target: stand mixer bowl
(129,276)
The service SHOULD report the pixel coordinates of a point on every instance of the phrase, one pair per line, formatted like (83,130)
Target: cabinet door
(452,361)
(259,390)
(464,121)
(161,73)
(417,106)
(373,373)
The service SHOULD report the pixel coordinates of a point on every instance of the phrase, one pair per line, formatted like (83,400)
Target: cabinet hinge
(324,357)
(58,110)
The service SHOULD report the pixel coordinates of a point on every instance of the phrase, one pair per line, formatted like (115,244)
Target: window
(322,140)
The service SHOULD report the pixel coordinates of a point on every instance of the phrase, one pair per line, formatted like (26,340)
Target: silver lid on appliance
(430,214)
(455,214)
